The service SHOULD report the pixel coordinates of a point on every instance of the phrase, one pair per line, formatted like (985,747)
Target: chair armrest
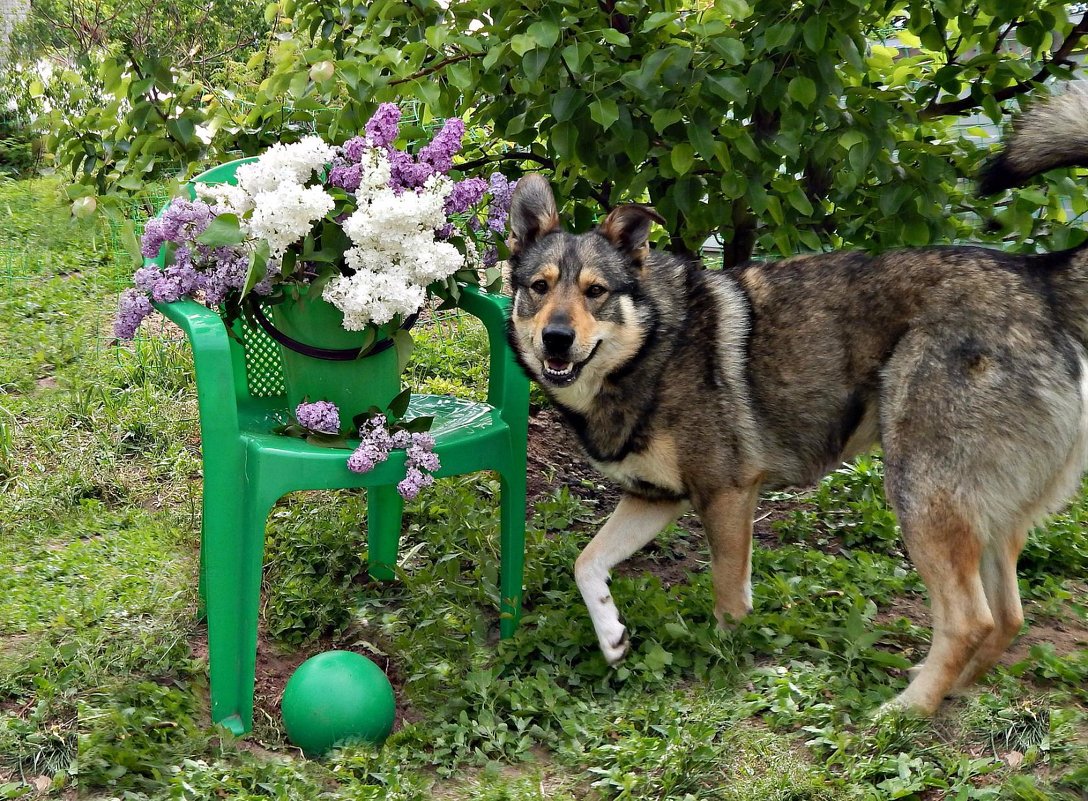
(214,367)
(507,388)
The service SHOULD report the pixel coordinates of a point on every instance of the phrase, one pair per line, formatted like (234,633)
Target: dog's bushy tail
(1053,133)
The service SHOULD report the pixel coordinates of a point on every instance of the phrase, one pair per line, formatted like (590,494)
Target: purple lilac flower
(502,191)
(353,149)
(229,273)
(404,173)
(185,220)
(490,257)
(177,280)
(445,232)
(133,306)
(321,416)
(374,446)
(464,195)
(382,128)
(366,457)
(345,176)
(414,481)
(145,278)
(153,238)
(182,220)
(446,143)
(423,458)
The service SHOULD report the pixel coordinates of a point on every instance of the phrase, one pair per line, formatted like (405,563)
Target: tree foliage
(805,125)
(195,35)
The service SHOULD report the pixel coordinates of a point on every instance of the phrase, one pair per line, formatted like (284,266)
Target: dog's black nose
(557,339)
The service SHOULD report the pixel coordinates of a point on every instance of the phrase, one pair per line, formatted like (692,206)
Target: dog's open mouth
(563,372)
(560,372)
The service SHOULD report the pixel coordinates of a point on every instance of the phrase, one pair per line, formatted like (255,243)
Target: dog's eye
(595,291)
(539,286)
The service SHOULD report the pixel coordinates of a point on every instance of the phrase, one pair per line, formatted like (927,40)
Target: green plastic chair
(247,468)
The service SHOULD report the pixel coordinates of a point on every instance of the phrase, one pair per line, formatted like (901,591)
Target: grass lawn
(103,688)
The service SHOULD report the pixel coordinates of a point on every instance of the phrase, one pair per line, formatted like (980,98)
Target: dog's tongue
(558,365)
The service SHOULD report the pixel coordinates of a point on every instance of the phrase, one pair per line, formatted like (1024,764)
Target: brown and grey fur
(694,388)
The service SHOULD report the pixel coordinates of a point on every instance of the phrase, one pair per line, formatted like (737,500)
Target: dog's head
(576,313)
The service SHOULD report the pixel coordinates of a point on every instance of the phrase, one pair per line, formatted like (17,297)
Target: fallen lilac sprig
(376,442)
(320,416)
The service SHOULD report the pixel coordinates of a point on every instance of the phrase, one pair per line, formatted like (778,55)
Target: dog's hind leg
(634,523)
(727,518)
(1003,598)
(946,546)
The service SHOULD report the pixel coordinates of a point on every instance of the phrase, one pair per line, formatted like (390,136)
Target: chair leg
(384,510)
(233,548)
(512,545)
(202,578)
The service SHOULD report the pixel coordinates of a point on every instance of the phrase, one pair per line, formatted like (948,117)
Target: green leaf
(683,157)
(402,341)
(322,440)
(399,405)
(544,32)
(730,49)
(803,90)
(574,55)
(703,139)
(612,36)
(728,87)
(664,117)
(417,425)
(815,32)
(182,129)
(657,20)
(604,112)
(565,102)
(799,200)
(534,63)
(258,266)
(564,138)
(224,231)
(522,44)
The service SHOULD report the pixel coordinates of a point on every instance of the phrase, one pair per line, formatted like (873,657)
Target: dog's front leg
(727,518)
(635,522)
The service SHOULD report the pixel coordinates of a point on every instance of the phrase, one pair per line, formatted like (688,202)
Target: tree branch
(1059,56)
(436,67)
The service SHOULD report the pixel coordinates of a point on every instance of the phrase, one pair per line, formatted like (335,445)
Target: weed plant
(103,678)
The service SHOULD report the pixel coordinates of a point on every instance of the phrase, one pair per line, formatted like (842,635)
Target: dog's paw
(908,704)
(728,619)
(616,648)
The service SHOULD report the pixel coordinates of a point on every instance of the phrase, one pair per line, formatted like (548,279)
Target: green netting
(264,365)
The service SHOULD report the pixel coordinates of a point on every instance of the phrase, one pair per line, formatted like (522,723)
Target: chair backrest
(259,352)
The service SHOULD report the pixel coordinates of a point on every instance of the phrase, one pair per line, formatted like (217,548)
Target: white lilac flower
(369,297)
(284,215)
(225,198)
(295,163)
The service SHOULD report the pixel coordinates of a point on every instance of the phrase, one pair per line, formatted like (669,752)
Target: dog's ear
(628,229)
(532,212)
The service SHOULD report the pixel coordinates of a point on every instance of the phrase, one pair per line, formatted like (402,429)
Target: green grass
(103,680)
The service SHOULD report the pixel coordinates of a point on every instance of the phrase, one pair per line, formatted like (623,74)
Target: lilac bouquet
(374,227)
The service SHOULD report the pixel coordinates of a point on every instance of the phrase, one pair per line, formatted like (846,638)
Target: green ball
(337,697)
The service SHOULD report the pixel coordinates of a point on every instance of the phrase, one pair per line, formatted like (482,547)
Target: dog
(696,388)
